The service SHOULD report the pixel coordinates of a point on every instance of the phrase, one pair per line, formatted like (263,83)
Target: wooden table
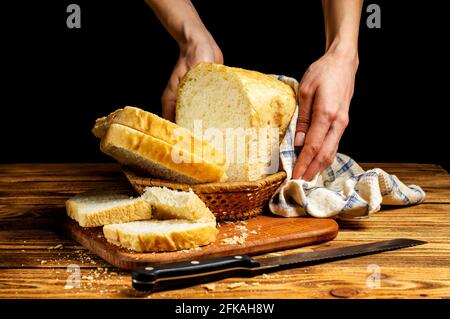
(35,253)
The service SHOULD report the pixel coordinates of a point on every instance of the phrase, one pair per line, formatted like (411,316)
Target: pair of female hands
(324,96)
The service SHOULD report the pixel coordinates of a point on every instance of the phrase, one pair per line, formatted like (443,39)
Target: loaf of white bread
(224,98)
(159,147)
(159,220)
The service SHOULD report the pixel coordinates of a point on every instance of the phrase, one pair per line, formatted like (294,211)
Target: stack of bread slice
(159,220)
(159,147)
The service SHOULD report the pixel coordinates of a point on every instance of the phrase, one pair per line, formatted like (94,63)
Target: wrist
(199,42)
(344,50)
(192,35)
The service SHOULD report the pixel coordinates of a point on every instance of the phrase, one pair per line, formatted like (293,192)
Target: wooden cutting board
(257,235)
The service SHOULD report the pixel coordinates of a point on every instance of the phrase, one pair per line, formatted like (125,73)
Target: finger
(168,101)
(327,153)
(315,137)
(305,101)
(323,160)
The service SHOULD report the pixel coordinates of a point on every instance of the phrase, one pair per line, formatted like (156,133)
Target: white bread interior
(101,207)
(160,235)
(172,204)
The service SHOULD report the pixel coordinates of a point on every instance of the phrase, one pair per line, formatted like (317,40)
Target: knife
(184,274)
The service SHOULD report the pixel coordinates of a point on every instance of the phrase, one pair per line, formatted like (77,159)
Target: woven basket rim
(214,187)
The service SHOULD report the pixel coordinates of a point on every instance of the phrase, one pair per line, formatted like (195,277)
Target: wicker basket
(227,201)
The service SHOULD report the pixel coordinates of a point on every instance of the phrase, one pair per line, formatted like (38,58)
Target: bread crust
(148,147)
(161,129)
(273,102)
(148,242)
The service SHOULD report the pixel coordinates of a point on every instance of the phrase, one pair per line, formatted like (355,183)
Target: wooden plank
(431,255)
(56,172)
(58,185)
(323,281)
(393,168)
(50,258)
(31,224)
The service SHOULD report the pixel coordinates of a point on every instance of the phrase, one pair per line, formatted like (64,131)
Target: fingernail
(299,139)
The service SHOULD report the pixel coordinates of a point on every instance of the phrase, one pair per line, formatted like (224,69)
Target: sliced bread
(225,98)
(157,157)
(158,236)
(161,129)
(101,207)
(171,204)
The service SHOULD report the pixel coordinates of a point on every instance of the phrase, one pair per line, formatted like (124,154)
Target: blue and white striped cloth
(342,190)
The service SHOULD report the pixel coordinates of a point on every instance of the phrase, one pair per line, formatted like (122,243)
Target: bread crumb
(235,240)
(275,254)
(209,287)
(241,233)
(43,262)
(189,250)
(236,285)
(59,246)
(255,284)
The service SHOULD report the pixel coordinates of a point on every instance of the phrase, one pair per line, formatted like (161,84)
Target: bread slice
(171,204)
(161,129)
(157,157)
(160,235)
(101,207)
(224,98)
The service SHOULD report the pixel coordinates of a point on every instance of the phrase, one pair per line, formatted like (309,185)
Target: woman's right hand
(191,53)
(196,44)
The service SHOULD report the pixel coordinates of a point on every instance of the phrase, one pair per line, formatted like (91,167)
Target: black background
(57,81)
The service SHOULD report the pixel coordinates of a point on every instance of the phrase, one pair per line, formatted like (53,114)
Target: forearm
(342,19)
(181,20)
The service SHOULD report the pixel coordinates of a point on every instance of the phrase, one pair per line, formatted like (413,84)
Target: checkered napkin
(342,190)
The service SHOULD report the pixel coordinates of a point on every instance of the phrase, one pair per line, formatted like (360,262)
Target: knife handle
(162,277)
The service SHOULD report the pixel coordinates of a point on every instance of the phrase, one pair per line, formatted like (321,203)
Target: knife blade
(162,277)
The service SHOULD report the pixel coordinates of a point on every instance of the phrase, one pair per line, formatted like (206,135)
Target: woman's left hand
(325,93)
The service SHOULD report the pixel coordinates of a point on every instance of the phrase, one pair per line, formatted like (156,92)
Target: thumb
(168,101)
(169,97)
(305,101)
